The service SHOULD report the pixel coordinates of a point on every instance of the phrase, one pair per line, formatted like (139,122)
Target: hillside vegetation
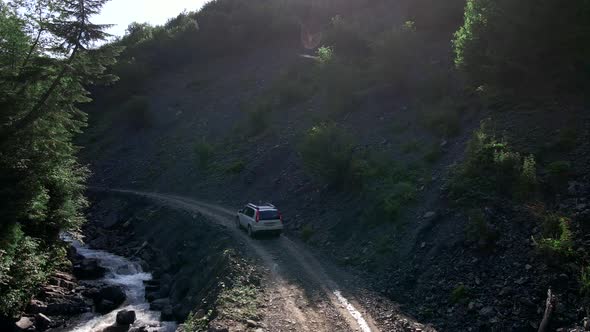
(441,148)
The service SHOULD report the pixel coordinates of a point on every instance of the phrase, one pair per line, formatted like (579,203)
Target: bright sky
(123,12)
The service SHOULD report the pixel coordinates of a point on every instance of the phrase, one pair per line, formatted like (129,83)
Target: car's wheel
(238,223)
(250,232)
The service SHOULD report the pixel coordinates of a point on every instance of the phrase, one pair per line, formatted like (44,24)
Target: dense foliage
(525,45)
(45,61)
(491,168)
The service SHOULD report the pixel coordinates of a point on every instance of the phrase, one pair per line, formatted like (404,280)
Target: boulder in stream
(125,317)
(108,298)
(112,293)
(88,269)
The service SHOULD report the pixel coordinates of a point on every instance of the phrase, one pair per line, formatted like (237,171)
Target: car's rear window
(269,215)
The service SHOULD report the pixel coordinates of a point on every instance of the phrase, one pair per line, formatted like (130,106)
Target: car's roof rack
(256,206)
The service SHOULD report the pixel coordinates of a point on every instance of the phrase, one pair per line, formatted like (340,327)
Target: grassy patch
(240,302)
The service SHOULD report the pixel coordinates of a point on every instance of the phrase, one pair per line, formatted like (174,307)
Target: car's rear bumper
(260,228)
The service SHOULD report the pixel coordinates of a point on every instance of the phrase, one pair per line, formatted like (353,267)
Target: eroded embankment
(197,275)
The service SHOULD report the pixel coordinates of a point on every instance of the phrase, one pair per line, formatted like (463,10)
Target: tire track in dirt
(299,283)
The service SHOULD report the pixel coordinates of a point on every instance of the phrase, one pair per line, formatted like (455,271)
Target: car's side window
(250,212)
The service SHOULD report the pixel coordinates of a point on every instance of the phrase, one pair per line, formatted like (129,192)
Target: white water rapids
(129,275)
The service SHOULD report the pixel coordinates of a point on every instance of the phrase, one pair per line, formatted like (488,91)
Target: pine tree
(46,61)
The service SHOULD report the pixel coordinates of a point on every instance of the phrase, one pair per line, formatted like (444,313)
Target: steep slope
(210,134)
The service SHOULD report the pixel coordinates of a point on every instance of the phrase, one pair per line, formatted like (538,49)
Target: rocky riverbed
(104,292)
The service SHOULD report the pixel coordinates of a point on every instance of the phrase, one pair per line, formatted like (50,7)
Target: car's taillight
(257,215)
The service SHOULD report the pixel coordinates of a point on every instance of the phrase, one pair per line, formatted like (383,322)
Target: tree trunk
(550,304)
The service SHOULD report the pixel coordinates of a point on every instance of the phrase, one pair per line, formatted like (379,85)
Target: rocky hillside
(454,221)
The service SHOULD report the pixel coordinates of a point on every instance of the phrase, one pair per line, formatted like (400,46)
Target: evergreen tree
(46,60)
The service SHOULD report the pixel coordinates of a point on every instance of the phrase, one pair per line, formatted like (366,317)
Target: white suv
(260,218)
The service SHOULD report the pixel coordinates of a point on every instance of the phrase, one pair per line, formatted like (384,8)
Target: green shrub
(391,199)
(325,55)
(327,151)
(557,240)
(137,112)
(194,324)
(478,230)
(551,225)
(389,188)
(492,168)
(460,294)
(307,232)
(204,152)
(25,263)
(236,167)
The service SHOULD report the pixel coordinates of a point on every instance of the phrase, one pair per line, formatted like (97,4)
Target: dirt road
(302,295)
